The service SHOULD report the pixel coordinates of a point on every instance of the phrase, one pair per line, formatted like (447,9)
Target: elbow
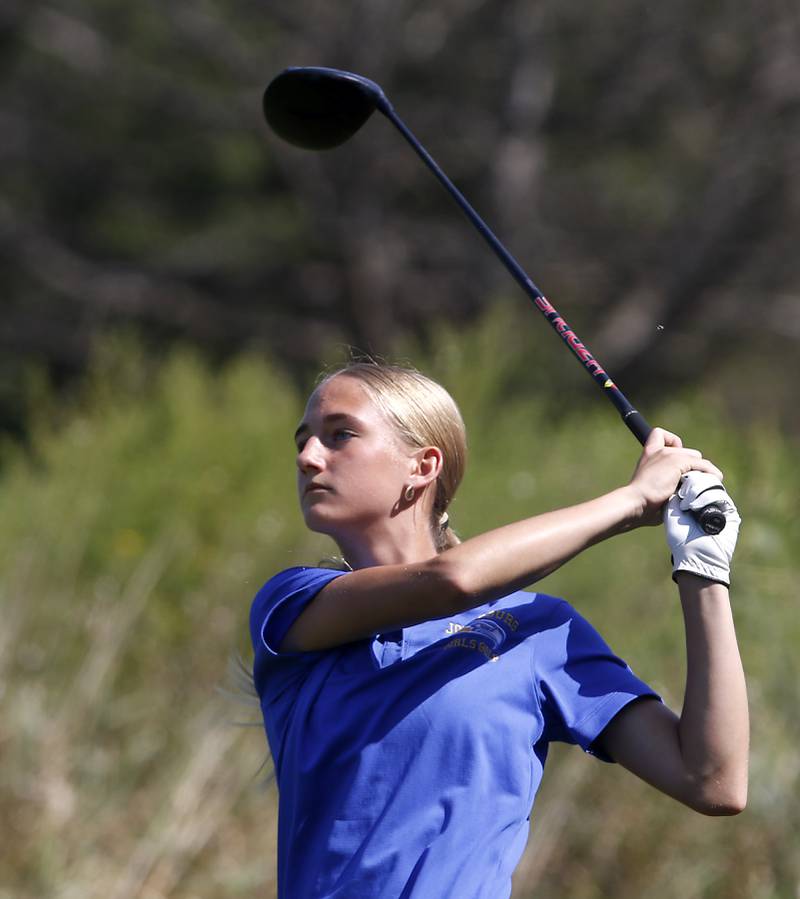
(719,801)
(724,809)
(454,589)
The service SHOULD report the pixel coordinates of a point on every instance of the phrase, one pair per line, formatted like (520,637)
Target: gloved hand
(708,556)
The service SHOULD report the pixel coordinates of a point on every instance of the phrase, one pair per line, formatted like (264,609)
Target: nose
(311,457)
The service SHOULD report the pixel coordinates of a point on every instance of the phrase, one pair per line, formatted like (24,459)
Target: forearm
(515,555)
(714,726)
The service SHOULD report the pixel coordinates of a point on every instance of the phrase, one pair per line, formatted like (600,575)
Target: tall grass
(146,513)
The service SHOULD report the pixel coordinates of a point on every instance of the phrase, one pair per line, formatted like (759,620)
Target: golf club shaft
(319,108)
(711,518)
(632,418)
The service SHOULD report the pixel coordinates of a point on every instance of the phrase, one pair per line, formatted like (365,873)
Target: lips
(314,488)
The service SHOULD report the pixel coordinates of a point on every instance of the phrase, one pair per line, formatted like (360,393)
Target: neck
(397,545)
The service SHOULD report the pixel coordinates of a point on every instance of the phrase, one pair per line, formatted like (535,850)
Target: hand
(705,555)
(663,461)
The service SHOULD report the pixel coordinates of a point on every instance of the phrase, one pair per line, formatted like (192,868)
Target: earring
(408,496)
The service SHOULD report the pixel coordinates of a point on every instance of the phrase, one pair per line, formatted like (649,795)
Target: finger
(682,451)
(707,466)
(671,439)
(655,440)
(660,437)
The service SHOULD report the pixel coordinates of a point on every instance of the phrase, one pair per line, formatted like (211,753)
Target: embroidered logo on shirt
(482,635)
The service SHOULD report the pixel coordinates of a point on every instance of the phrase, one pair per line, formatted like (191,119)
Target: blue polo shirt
(407,764)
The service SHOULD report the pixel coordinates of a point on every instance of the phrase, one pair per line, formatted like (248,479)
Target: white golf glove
(708,556)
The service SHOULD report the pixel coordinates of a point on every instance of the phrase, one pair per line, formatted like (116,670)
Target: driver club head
(318,108)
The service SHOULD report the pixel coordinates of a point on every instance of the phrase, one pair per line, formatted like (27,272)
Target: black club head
(318,108)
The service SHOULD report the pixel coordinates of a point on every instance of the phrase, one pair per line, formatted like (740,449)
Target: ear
(428,465)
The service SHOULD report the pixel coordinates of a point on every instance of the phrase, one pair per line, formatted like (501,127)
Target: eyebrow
(330,418)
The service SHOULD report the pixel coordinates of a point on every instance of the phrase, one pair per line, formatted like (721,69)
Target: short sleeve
(280,601)
(582,683)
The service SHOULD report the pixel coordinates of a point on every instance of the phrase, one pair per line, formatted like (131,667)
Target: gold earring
(409,494)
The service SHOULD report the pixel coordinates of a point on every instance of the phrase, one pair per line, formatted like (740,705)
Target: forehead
(340,394)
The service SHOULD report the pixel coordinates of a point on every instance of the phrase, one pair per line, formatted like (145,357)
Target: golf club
(319,108)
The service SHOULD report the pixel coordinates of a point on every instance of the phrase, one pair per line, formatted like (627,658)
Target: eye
(342,434)
(300,444)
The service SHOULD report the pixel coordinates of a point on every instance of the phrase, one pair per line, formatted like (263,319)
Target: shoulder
(300,583)
(551,626)
(533,611)
(539,608)
(565,628)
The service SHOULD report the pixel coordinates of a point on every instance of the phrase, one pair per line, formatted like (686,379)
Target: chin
(318,522)
(321,521)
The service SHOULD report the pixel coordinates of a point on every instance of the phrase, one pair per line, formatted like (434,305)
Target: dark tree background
(641,159)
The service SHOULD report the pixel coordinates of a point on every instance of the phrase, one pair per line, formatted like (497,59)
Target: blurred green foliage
(150,506)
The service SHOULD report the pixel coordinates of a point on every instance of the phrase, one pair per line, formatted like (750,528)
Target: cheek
(395,458)
(390,481)
(374,478)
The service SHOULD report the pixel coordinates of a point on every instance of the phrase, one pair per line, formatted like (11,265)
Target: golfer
(410,700)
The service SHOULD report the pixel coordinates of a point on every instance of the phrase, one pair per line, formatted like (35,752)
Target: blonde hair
(423,414)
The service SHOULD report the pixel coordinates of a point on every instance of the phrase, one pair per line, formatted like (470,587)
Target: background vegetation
(149,509)
(173,277)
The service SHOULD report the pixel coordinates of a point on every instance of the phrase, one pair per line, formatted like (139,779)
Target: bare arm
(371,600)
(701,757)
